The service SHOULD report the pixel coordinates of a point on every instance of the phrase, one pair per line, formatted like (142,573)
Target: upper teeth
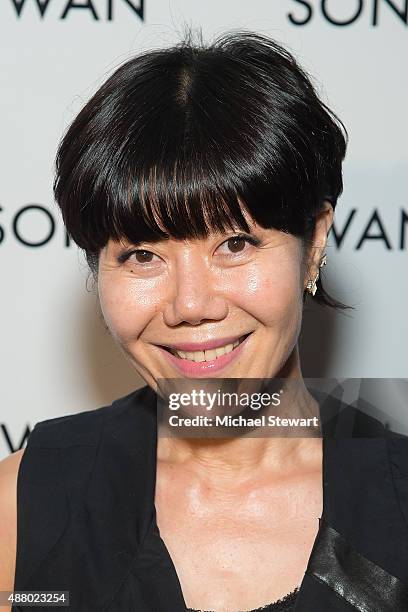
(207,355)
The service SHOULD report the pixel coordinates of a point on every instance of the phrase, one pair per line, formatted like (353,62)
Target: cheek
(127,305)
(270,291)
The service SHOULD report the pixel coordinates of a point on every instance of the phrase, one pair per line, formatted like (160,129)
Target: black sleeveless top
(86,521)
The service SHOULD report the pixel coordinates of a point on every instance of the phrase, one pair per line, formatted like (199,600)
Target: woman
(201,182)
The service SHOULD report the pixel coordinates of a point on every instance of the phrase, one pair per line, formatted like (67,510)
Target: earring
(311,286)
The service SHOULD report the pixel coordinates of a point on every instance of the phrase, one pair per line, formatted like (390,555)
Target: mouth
(206,355)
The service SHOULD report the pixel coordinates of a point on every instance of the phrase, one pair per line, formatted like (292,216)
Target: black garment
(87,521)
(283,604)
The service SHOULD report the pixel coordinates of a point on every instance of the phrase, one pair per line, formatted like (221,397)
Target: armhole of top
(397,449)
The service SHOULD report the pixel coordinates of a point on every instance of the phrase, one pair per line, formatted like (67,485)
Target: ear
(324,221)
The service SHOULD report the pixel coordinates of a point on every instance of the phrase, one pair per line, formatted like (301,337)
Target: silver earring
(311,286)
(323,261)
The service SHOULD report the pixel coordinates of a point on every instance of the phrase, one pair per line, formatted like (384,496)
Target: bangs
(181,200)
(161,184)
(173,201)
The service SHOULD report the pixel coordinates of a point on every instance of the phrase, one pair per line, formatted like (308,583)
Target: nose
(196,294)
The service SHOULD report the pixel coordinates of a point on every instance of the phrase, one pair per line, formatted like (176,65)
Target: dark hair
(179,139)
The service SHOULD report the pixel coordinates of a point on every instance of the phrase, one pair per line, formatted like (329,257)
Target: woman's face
(197,295)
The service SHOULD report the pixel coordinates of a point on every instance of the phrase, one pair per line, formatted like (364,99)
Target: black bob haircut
(179,139)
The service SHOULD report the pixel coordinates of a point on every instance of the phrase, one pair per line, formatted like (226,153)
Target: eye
(141,256)
(236,244)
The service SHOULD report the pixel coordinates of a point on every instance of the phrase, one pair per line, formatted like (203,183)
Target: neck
(238,456)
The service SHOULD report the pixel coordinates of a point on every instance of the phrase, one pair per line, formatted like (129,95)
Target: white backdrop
(56,357)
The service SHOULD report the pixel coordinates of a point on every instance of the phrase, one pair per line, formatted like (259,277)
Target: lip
(195,369)
(203,346)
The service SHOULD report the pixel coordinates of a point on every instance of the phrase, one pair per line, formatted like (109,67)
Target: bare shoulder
(8,518)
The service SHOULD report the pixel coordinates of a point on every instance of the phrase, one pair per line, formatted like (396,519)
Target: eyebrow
(136,243)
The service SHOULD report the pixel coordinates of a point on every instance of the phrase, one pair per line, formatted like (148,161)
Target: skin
(8,520)
(147,301)
(250,505)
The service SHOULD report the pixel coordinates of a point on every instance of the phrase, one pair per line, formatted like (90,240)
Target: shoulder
(63,456)
(83,428)
(9,468)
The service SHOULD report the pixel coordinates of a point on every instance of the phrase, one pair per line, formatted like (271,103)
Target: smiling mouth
(208,354)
